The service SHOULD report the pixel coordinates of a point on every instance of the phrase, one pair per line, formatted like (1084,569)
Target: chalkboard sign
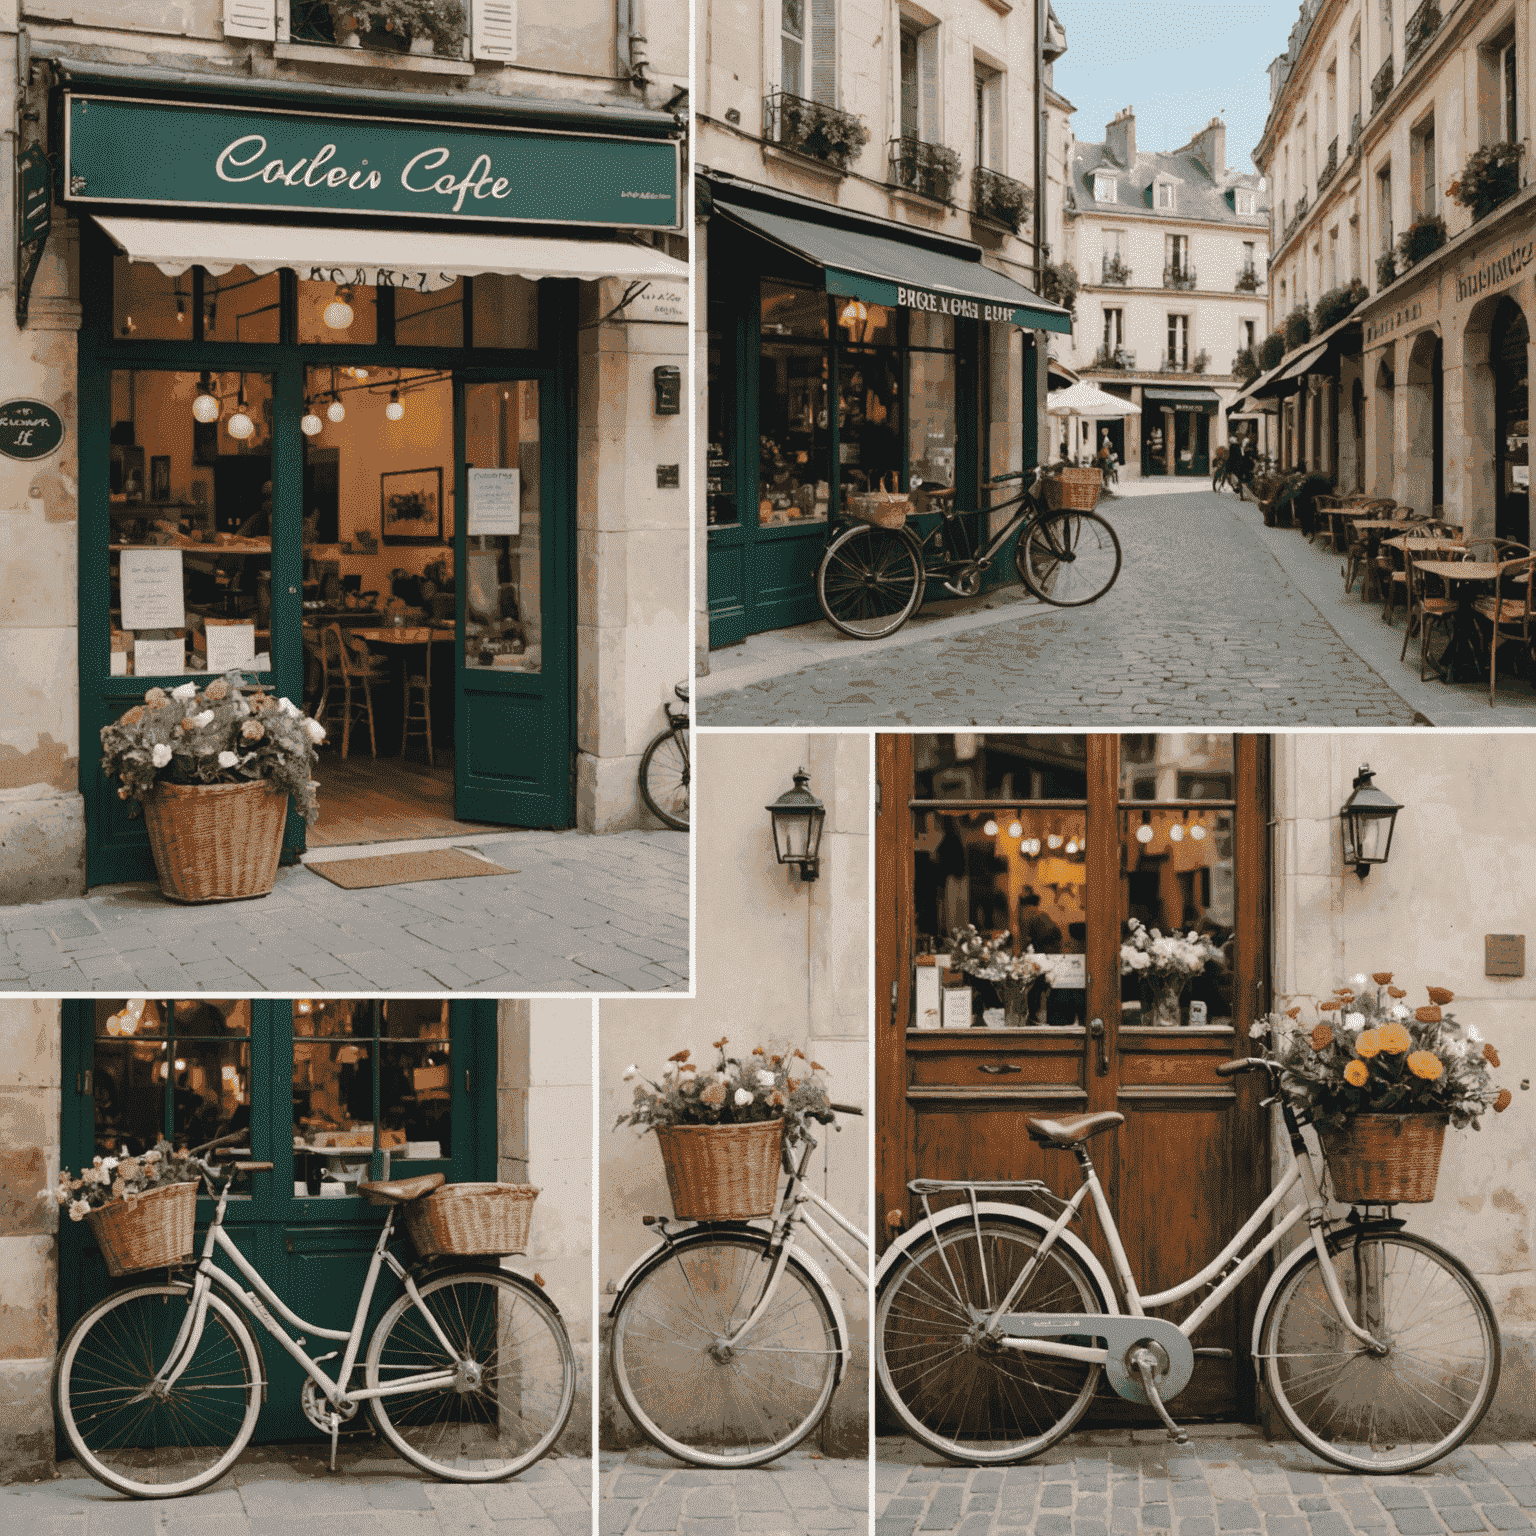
(29,429)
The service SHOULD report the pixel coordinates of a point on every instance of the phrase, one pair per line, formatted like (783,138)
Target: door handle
(999,1066)
(1096,1032)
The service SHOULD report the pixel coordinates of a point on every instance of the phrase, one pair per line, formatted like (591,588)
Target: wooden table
(1371,527)
(398,638)
(1462,655)
(1412,546)
(403,634)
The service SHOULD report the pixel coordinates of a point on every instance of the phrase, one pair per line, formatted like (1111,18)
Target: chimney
(1211,147)
(1120,138)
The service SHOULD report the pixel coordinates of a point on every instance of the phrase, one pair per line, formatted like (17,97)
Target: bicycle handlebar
(1244,1064)
(846,1109)
(220,1141)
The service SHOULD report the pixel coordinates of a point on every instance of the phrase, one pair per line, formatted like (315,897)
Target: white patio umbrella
(1082,399)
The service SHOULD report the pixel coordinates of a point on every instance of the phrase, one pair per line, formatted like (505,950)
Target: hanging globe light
(309,424)
(240,425)
(206,407)
(336,410)
(338,313)
(394,410)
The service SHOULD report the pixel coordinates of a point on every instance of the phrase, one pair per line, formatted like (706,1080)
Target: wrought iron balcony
(323,21)
(1381,85)
(1248,278)
(1114,357)
(813,129)
(1422,25)
(1178,274)
(1176,362)
(1115,272)
(1329,168)
(1000,198)
(929,169)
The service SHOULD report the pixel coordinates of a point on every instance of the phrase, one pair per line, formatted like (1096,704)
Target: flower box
(1384,1159)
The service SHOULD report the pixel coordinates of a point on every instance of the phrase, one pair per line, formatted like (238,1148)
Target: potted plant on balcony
(1201,362)
(1491,176)
(213,773)
(1298,327)
(1332,306)
(1059,284)
(1116,272)
(1422,238)
(929,169)
(1001,199)
(1248,280)
(1386,269)
(400,25)
(1245,366)
(821,132)
(1272,351)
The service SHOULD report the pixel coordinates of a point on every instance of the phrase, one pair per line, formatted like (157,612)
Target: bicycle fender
(950,1215)
(430,1269)
(1121,1335)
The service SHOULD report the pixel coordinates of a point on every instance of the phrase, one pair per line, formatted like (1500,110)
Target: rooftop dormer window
(1163,195)
(1243,201)
(1104,189)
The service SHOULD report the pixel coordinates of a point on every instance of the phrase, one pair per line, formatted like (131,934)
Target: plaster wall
(1456,873)
(781,964)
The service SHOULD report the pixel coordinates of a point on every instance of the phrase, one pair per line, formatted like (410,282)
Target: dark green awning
(1177,396)
(883,269)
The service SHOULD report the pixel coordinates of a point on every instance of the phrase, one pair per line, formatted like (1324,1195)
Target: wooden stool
(418,689)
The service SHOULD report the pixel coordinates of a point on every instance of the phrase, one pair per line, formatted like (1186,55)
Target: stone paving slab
(289,1490)
(1228,1478)
(582,914)
(642,1492)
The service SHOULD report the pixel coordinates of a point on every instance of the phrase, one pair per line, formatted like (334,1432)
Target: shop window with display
(794,448)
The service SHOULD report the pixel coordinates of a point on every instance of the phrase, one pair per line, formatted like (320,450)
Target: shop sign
(950,304)
(1514,261)
(875,290)
(177,154)
(1394,320)
(29,429)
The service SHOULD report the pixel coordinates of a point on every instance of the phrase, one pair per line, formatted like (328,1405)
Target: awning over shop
(881,269)
(379,258)
(1306,363)
(1178,396)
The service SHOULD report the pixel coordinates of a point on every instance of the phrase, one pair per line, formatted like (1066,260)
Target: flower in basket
(212,735)
(124,1178)
(1373,1053)
(1150,953)
(737,1090)
(993,959)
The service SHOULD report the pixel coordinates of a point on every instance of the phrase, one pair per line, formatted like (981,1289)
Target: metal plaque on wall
(29,429)
(1504,954)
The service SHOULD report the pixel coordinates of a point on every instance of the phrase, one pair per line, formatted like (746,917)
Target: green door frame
(312,1251)
(117,848)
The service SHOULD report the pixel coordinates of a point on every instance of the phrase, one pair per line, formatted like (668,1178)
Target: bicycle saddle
(1068,1132)
(398,1191)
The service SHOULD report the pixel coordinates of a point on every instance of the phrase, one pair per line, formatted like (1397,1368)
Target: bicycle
(871,580)
(469,1374)
(994,1323)
(728,1338)
(667,767)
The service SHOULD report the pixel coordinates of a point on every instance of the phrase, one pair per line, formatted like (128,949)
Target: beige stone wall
(780,964)
(29,1282)
(1457,872)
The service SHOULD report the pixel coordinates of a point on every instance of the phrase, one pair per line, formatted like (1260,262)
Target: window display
(794,451)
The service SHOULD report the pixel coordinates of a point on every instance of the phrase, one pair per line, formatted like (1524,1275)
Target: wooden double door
(1063,840)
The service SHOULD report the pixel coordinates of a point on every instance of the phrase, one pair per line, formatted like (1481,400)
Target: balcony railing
(1115,272)
(1329,168)
(1178,274)
(1176,362)
(1421,27)
(1354,130)
(929,169)
(813,129)
(1381,85)
(1000,198)
(1248,278)
(1114,357)
(322,21)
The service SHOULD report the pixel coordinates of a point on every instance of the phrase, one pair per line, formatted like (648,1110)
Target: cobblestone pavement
(1203,625)
(647,1491)
(1227,1479)
(283,1490)
(582,914)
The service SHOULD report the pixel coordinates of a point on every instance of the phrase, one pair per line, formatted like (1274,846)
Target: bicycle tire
(446,1431)
(122,1336)
(870,581)
(712,1411)
(665,784)
(928,1359)
(1352,1416)
(1062,558)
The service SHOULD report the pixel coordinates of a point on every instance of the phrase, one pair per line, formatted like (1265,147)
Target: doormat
(403,868)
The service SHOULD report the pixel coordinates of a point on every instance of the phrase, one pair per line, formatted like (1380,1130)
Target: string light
(1144,833)
(990,828)
(1197,832)
(394,410)
(1015,829)
(310,424)
(240,425)
(336,410)
(338,313)
(1176,833)
(206,407)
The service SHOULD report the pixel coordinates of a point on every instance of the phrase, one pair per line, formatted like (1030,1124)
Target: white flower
(161,754)
(287,707)
(185,692)
(227,759)
(314,730)
(1473,1035)
(78,1209)
(109,1163)
(1399,1013)
(631,1073)
(1358,980)
(242,709)
(149,1157)
(1258,1029)
(1354,1021)
(765,1079)
(198,721)
(743,1097)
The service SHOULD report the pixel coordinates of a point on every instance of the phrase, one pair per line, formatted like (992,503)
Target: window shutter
(824,52)
(928,84)
(251,18)
(493,29)
(995,122)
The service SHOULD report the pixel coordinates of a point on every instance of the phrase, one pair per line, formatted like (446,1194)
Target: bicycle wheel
(956,1391)
(665,771)
(703,1401)
(1068,558)
(1406,1408)
(870,581)
(152,1443)
(515,1370)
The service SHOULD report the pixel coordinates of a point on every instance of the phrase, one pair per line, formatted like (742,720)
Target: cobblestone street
(1228,1478)
(581,914)
(1204,624)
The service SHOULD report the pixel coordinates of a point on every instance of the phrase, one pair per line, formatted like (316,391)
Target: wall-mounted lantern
(1366,820)
(798,817)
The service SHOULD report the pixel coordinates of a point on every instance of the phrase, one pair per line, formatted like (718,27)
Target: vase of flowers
(1013,975)
(720,1130)
(1381,1081)
(1165,964)
(213,772)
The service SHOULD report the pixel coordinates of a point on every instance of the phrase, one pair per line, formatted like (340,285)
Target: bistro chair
(1506,610)
(1359,546)
(1428,606)
(418,691)
(348,666)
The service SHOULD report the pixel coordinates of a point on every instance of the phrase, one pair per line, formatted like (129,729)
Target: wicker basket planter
(1385,1159)
(881,507)
(722,1172)
(468,1220)
(148,1233)
(1075,489)
(215,842)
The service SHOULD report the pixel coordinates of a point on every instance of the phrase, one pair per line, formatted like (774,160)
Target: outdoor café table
(1461,656)
(1372,528)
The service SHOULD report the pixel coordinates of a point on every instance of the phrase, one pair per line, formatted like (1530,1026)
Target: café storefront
(329,417)
(848,353)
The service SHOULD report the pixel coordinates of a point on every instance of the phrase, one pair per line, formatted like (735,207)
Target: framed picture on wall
(411,506)
(160,477)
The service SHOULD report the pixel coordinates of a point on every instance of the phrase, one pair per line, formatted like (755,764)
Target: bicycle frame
(952,529)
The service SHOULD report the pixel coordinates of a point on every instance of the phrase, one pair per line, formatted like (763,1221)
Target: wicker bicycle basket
(1385,1159)
(147,1233)
(1074,489)
(215,842)
(884,508)
(722,1172)
(471,1219)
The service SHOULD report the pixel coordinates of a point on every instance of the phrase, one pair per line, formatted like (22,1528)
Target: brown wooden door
(1061,839)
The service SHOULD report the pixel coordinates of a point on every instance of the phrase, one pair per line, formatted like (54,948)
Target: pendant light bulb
(206,407)
(309,424)
(240,425)
(394,410)
(338,313)
(336,410)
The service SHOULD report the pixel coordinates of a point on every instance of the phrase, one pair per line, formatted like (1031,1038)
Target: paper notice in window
(151,589)
(159,658)
(230,645)
(495,501)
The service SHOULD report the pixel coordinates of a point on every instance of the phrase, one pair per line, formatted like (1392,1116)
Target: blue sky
(1178,64)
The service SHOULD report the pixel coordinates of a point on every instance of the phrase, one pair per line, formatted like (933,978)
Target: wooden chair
(418,690)
(1507,612)
(1428,606)
(1392,575)
(348,665)
(1357,560)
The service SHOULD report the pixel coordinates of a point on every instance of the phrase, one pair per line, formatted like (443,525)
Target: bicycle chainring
(318,1411)
(968,584)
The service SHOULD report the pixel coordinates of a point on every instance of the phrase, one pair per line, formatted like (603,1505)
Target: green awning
(882,269)
(1182,396)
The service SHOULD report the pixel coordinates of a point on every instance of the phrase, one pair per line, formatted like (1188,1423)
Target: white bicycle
(994,1323)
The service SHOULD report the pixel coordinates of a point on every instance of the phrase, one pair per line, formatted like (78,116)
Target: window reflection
(1176,766)
(1000,765)
(869,420)
(239,306)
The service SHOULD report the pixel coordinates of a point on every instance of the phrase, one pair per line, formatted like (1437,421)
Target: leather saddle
(399,1191)
(1069,1132)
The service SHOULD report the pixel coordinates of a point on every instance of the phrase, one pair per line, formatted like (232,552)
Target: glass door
(513,721)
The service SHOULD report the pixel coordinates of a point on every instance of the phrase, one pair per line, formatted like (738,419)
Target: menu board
(495,501)
(230,644)
(159,658)
(151,589)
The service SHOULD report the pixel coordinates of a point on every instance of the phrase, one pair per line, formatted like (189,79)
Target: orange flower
(1425,1064)
(1490,1055)
(1429,1015)
(1344,994)
(722,1042)
(1331,1006)
(679,1056)
(714,1095)
(687,1066)
(1395,1039)
(1381,978)
(777,1099)
(794,1083)
(1440,995)
(1502,1103)
(816,1066)
(1293,1013)
(1322,1037)
(1396,992)
(1368,1043)
(1356,1074)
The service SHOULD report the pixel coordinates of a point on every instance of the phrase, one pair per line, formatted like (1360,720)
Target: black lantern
(798,817)
(1367,819)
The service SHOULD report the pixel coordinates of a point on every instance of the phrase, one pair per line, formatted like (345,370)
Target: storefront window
(869,419)
(430,319)
(147,305)
(720,480)
(238,306)
(190,508)
(792,311)
(1176,766)
(337,314)
(1003,766)
(794,448)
